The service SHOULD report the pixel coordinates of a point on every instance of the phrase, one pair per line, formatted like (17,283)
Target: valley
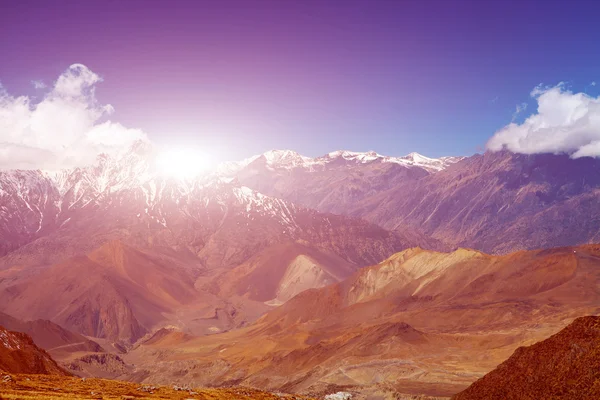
(299,200)
(119,273)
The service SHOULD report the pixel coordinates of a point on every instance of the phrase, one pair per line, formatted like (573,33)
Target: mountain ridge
(290,159)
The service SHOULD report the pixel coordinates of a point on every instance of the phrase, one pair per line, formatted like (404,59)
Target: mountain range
(354,271)
(495,202)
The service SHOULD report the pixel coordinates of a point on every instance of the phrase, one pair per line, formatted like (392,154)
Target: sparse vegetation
(51,387)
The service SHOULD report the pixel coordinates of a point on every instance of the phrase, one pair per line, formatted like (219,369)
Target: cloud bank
(565,122)
(67,128)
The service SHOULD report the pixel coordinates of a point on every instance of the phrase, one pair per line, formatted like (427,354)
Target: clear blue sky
(242,77)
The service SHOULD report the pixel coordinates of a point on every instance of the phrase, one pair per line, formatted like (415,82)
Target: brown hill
(121,293)
(179,240)
(51,337)
(419,322)
(282,271)
(564,366)
(18,354)
(123,263)
(115,292)
(456,287)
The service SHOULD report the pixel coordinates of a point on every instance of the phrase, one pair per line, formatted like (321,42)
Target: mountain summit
(289,159)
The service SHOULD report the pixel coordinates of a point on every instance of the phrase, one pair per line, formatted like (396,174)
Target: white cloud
(565,122)
(64,129)
(38,84)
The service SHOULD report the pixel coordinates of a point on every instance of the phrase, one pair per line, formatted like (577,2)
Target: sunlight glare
(183,163)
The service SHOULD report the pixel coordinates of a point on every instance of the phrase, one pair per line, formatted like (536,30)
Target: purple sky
(242,77)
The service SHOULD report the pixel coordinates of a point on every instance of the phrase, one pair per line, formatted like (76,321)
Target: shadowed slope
(564,366)
(282,271)
(18,354)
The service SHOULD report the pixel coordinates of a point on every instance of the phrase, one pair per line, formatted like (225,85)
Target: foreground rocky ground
(18,386)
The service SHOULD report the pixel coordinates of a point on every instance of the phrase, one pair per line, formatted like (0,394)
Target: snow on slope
(289,159)
(35,202)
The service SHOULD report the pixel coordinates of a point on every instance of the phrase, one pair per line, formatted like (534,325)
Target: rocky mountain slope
(498,202)
(47,217)
(112,292)
(18,354)
(420,322)
(335,181)
(121,249)
(173,277)
(121,293)
(494,202)
(51,337)
(564,366)
(282,271)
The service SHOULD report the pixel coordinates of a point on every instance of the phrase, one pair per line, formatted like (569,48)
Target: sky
(237,78)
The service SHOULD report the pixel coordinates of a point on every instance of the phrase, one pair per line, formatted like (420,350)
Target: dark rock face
(564,366)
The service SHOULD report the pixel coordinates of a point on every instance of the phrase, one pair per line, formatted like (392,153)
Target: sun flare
(183,163)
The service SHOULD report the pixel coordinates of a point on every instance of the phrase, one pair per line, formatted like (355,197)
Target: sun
(182,163)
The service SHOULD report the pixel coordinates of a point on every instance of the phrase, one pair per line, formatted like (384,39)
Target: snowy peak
(288,159)
(412,159)
(284,159)
(416,157)
(430,164)
(362,158)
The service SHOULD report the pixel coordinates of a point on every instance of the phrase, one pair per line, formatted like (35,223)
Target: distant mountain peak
(285,158)
(362,157)
(289,159)
(431,164)
(416,157)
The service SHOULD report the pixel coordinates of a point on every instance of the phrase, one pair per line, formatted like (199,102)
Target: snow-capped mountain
(215,217)
(49,198)
(430,164)
(332,182)
(118,238)
(412,159)
(289,159)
